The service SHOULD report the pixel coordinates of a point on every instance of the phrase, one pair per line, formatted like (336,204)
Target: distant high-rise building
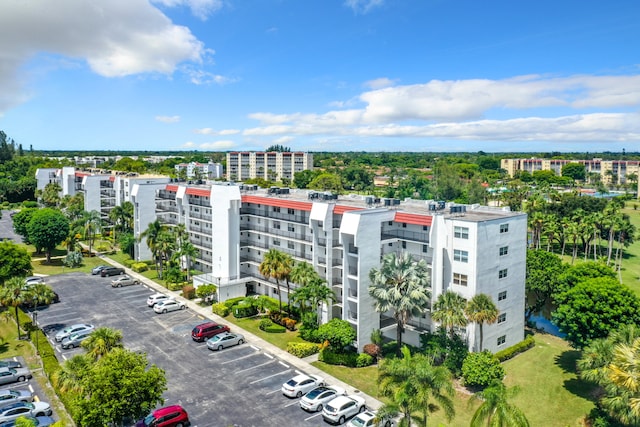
(271,165)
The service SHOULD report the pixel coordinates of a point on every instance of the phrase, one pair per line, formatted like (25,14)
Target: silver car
(12,396)
(124,281)
(224,340)
(20,409)
(12,375)
(70,330)
(74,340)
(168,305)
(316,398)
(156,298)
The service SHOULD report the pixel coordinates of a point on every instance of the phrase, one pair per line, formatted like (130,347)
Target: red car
(169,416)
(206,330)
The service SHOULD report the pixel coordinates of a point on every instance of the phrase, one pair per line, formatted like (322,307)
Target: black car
(111,271)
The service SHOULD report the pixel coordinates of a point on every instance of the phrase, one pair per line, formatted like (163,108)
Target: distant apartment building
(609,171)
(196,170)
(468,249)
(272,165)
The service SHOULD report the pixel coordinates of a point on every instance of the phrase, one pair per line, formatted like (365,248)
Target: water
(544,324)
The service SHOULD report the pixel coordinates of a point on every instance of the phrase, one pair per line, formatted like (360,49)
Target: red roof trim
(112,178)
(340,209)
(171,187)
(202,192)
(82,174)
(413,218)
(283,203)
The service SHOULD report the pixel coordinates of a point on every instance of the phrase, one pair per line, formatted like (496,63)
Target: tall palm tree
(92,225)
(102,341)
(188,251)
(13,295)
(481,309)
(414,384)
(319,293)
(165,245)
(71,375)
(400,285)
(303,273)
(272,267)
(495,409)
(38,294)
(287,266)
(151,235)
(448,310)
(121,217)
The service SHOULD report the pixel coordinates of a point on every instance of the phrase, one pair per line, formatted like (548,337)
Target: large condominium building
(610,171)
(200,170)
(271,165)
(468,249)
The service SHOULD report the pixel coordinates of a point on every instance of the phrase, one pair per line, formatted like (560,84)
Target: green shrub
(480,369)
(265,323)
(522,346)
(73,259)
(103,247)
(129,262)
(30,204)
(233,301)
(139,267)
(277,329)
(220,309)
(330,357)
(244,310)
(302,349)
(310,334)
(206,292)
(364,360)
(189,292)
(177,286)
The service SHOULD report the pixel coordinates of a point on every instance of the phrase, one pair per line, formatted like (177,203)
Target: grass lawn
(250,324)
(631,255)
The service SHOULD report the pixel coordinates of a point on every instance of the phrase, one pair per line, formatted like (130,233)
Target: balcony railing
(279,232)
(200,215)
(297,218)
(413,236)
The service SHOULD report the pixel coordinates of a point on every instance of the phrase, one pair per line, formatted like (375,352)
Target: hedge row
(139,267)
(220,309)
(349,359)
(244,310)
(302,349)
(516,349)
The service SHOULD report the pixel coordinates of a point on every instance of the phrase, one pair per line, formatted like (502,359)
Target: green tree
(593,308)
(14,261)
(102,341)
(480,310)
(121,217)
(480,369)
(92,224)
(12,294)
(154,229)
(205,292)
(51,195)
(21,222)
(273,266)
(575,171)
(38,294)
(414,384)
(400,285)
(327,182)
(542,277)
(315,293)
(448,310)
(47,229)
(495,409)
(120,385)
(303,178)
(338,333)
(70,378)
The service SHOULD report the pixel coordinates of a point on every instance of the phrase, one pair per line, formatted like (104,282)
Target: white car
(156,298)
(316,398)
(18,409)
(168,305)
(366,418)
(70,330)
(343,407)
(33,280)
(301,384)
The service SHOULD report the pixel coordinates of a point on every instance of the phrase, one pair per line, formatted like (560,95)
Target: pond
(542,320)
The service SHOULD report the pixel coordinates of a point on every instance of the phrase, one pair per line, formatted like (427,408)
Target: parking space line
(268,355)
(257,348)
(274,391)
(283,364)
(295,402)
(266,378)
(254,367)
(317,414)
(226,350)
(239,358)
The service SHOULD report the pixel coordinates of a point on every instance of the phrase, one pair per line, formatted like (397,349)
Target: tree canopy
(47,229)
(14,261)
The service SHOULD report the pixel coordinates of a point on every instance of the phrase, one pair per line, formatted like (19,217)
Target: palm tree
(400,285)
(272,267)
(71,375)
(165,245)
(121,217)
(414,384)
(287,266)
(151,235)
(91,226)
(13,295)
(495,409)
(481,309)
(188,251)
(303,273)
(448,310)
(102,341)
(319,293)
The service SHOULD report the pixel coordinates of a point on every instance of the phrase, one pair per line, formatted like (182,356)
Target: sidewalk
(299,364)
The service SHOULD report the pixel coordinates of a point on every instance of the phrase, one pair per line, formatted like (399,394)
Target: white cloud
(168,119)
(363,6)
(379,83)
(202,77)
(210,131)
(283,140)
(116,38)
(201,9)
(189,144)
(217,145)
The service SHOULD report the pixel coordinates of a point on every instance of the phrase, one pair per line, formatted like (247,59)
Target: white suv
(343,407)
(155,298)
(366,418)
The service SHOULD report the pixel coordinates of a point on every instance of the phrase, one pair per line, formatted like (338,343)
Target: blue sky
(321,75)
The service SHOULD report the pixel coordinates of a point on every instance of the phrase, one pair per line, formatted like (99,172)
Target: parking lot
(238,386)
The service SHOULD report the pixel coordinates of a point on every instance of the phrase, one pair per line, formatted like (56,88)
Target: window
(276,242)
(390,223)
(291,228)
(462,256)
(502,274)
(404,225)
(504,228)
(276,225)
(502,340)
(404,245)
(425,248)
(459,279)
(291,245)
(425,228)
(290,211)
(502,318)
(504,250)
(461,232)
(276,209)
(502,296)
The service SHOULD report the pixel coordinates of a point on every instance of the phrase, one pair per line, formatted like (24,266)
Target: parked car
(168,305)
(314,400)
(207,330)
(12,375)
(342,408)
(111,271)
(69,330)
(155,298)
(18,409)
(224,340)
(33,280)
(10,364)
(11,396)
(74,340)
(169,416)
(124,281)
(37,421)
(301,384)
(98,269)
(365,419)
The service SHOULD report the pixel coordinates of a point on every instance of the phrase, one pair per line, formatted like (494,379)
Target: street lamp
(35,323)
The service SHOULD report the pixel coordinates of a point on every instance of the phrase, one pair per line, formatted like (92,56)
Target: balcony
(353,292)
(278,232)
(200,215)
(353,250)
(204,201)
(266,213)
(413,236)
(352,315)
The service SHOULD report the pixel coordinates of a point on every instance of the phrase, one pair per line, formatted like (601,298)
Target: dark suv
(207,330)
(111,271)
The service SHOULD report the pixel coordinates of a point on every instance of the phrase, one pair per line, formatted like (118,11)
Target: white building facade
(196,170)
(271,165)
